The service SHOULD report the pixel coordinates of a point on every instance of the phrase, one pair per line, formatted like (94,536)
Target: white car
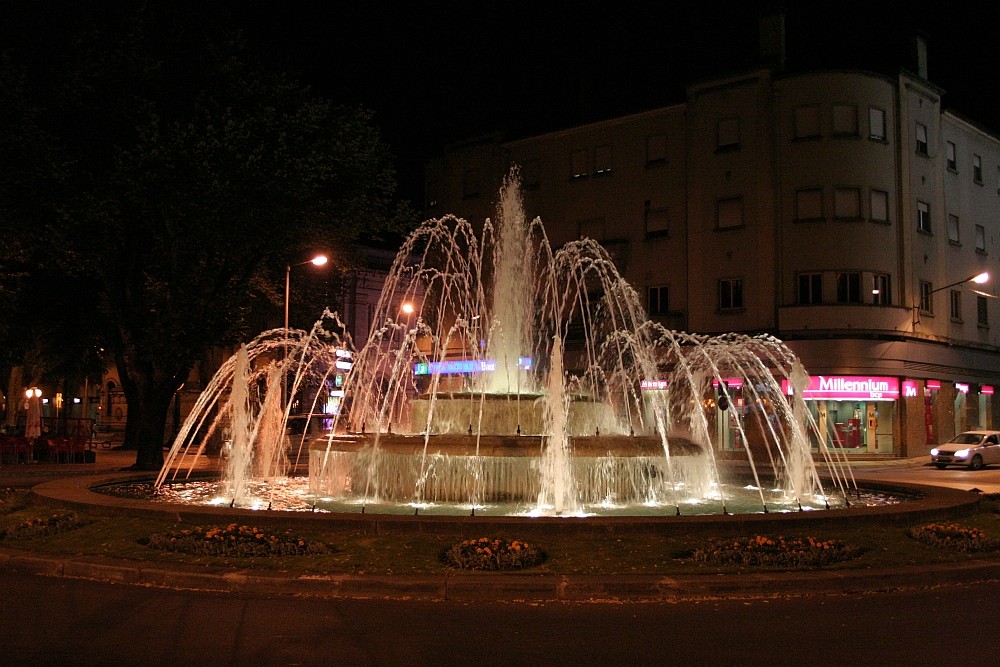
(974,449)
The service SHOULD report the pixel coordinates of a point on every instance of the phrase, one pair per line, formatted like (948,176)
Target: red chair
(15,448)
(63,449)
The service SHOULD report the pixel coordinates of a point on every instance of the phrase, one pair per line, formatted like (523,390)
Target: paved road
(50,621)
(920,471)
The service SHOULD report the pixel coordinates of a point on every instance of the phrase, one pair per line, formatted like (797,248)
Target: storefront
(854,413)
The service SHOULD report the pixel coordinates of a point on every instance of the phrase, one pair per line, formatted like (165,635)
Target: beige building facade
(843,212)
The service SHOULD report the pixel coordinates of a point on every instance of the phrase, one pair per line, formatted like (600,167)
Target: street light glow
(407,308)
(981,278)
(319,260)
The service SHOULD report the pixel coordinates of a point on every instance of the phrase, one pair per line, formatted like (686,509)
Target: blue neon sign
(463,366)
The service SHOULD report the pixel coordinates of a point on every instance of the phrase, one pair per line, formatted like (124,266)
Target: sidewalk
(464,586)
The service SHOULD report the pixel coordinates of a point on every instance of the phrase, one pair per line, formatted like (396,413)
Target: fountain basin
(920,503)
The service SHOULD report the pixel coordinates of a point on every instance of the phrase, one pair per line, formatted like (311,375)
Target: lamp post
(33,419)
(978,278)
(318,260)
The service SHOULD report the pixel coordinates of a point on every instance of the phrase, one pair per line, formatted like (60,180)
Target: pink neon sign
(848,388)
(986,389)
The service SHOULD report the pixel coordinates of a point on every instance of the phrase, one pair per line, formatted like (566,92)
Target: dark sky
(436,71)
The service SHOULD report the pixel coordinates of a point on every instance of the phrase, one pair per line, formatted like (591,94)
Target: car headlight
(962,453)
(934,452)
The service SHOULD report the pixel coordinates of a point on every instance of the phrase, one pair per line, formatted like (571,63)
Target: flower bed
(12,500)
(492,554)
(41,526)
(762,550)
(953,536)
(234,540)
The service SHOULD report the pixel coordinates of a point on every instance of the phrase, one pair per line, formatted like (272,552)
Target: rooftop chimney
(920,53)
(771,27)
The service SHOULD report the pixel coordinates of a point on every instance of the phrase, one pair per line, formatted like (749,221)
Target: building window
(953,235)
(982,314)
(730,294)
(980,239)
(880,206)
(531,173)
(845,120)
(977,169)
(657,221)
(470,184)
(956,305)
(923,217)
(876,124)
(729,133)
(925,297)
(580,164)
(847,203)
(806,122)
(949,152)
(656,149)
(602,159)
(809,204)
(849,287)
(810,288)
(921,139)
(881,289)
(658,302)
(729,213)
(592,229)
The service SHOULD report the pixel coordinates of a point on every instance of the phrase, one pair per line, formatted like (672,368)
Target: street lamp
(978,278)
(318,260)
(33,418)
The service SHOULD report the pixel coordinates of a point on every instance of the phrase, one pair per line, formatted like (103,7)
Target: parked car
(974,449)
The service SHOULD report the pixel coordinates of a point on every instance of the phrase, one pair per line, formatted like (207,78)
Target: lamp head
(319,260)
(981,278)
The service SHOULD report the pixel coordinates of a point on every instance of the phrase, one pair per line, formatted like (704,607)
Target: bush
(761,550)
(492,554)
(234,540)
(953,536)
(42,526)
(12,500)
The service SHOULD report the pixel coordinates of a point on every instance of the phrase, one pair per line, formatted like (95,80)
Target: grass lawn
(354,552)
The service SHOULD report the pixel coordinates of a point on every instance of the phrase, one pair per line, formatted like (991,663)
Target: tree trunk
(148,392)
(15,394)
(147,422)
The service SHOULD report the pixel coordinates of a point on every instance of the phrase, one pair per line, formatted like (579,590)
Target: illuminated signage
(933,384)
(986,389)
(732,383)
(848,388)
(909,388)
(653,385)
(962,387)
(463,366)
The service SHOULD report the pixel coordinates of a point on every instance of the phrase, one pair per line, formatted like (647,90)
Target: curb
(507,587)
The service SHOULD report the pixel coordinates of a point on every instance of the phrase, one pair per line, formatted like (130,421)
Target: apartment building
(844,212)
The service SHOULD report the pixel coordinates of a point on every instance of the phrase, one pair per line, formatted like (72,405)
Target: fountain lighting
(524,377)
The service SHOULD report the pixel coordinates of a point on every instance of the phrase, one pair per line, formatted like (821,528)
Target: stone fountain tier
(506,445)
(454,468)
(455,413)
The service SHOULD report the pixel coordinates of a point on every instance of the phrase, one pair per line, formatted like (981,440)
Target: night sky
(437,71)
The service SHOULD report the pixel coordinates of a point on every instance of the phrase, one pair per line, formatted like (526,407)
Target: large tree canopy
(154,164)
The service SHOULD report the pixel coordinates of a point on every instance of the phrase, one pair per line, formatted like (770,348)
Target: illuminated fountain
(526,380)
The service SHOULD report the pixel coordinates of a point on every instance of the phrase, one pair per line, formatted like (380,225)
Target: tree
(175,177)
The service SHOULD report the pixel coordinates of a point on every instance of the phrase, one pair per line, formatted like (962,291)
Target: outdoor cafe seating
(63,440)
(15,449)
(63,449)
